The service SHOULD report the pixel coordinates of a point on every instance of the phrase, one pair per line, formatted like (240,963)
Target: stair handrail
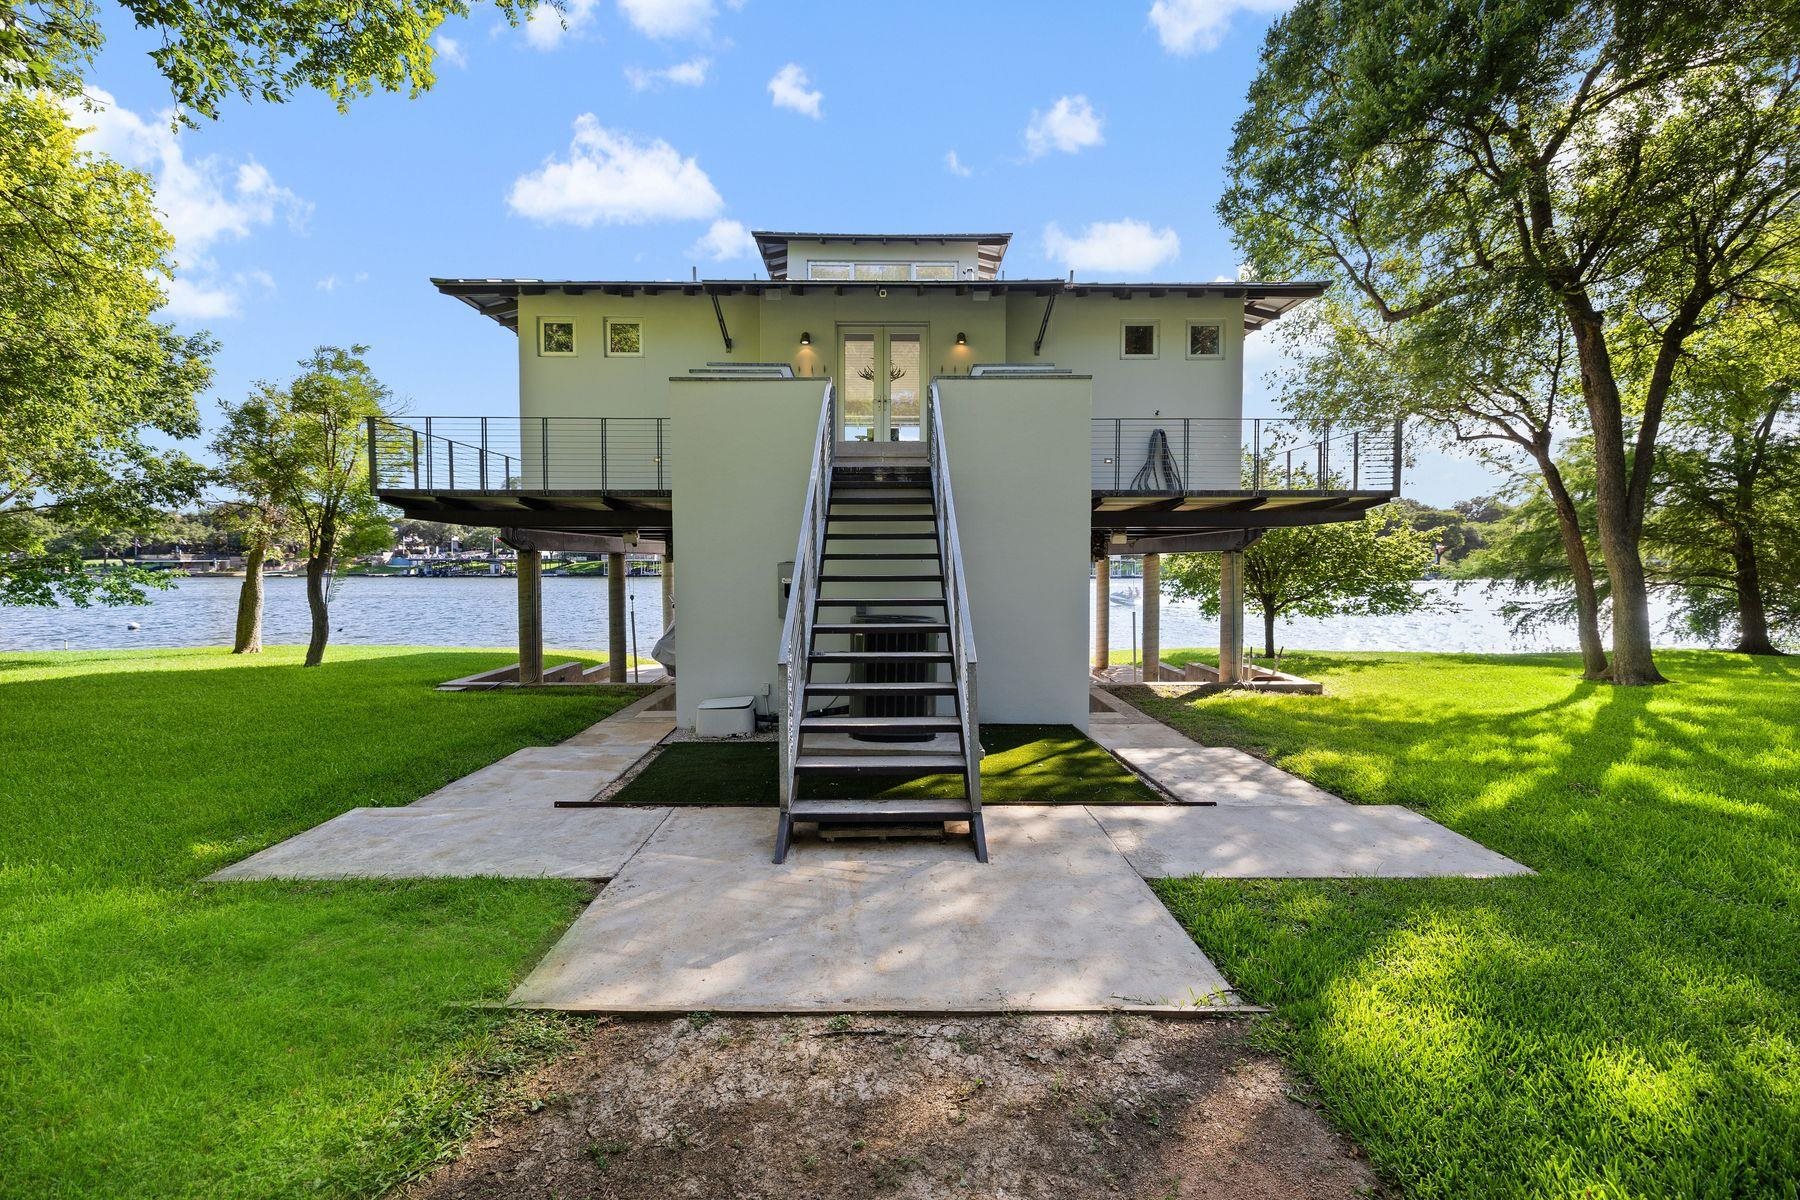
(956,596)
(797,623)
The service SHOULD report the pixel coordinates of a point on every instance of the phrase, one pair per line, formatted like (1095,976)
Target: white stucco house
(886,473)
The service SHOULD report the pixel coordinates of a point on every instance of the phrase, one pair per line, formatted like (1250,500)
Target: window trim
(606,337)
(1216,324)
(574,341)
(1155,325)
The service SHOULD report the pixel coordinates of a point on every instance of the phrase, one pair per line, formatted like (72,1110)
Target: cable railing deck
(519,454)
(1171,455)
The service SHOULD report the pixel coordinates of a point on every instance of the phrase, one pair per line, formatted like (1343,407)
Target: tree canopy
(217,49)
(1634,163)
(1366,567)
(89,379)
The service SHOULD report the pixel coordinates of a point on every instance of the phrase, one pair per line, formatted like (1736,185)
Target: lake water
(479,611)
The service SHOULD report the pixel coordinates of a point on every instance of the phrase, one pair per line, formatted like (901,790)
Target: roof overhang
(498,299)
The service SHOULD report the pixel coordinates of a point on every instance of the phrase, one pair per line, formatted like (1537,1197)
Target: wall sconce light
(805,338)
(962,339)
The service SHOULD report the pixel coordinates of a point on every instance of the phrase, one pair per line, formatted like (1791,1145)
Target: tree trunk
(1581,568)
(1268,629)
(1618,516)
(316,564)
(1746,578)
(248,639)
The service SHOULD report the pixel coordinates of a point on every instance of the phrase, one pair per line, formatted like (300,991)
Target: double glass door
(882,386)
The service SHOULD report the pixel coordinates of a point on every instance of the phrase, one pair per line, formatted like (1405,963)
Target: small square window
(624,339)
(1206,339)
(1137,339)
(556,337)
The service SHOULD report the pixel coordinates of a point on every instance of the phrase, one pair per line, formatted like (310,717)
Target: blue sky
(642,140)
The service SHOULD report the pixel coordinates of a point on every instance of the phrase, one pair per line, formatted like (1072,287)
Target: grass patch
(1627,1023)
(1025,764)
(159,1036)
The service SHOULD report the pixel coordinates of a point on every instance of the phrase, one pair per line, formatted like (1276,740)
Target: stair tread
(841,601)
(885,555)
(886,518)
(930,535)
(925,688)
(925,764)
(832,630)
(855,656)
(880,724)
(897,810)
(891,577)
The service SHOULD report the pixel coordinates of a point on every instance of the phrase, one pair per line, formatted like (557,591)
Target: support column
(1102,617)
(668,590)
(531,616)
(615,618)
(1231,616)
(1152,618)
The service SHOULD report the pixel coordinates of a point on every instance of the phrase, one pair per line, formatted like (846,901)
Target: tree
(1724,528)
(259,460)
(213,50)
(1636,163)
(1365,567)
(300,449)
(87,374)
(1484,371)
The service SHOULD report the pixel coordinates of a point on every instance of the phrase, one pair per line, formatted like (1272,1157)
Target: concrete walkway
(699,919)
(696,917)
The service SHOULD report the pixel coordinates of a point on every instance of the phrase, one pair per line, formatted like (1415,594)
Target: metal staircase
(877,658)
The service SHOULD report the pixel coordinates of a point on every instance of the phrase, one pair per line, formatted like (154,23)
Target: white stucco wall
(1019,469)
(743,448)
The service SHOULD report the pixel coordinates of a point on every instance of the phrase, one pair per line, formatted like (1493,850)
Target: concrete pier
(531,616)
(1102,613)
(1152,617)
(1231,616)
(616,652)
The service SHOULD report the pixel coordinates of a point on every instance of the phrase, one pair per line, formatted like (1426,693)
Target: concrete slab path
(1295,842)
(699,919)
(1190,772)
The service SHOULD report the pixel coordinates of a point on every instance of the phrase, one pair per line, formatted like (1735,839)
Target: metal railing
(519,454)
(803,590)
(1163,455)
(956,599)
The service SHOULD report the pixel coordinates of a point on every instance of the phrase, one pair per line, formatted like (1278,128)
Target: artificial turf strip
(1025,764)
(163,1037)
(1627,1022)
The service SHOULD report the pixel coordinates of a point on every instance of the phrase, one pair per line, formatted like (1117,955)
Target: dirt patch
(1066,1107)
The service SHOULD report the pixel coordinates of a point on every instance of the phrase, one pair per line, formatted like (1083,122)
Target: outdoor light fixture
(805,338)
(962,339)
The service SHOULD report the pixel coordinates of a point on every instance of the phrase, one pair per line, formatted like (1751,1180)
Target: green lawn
(1627,1023)
(1025,764)
(164,1037)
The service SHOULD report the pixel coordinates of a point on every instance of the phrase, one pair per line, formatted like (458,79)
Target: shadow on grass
(1628,1020)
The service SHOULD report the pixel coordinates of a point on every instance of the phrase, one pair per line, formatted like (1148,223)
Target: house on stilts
(888,472)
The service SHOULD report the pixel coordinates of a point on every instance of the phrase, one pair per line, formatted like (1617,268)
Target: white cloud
(1188,26)
(789,90)
(1126,245)
(724,241)
(332,283)
(612,178)
(691,73)
(546,28)
(202,201)
(450,50)
(955,166)
(1071,125)
(670,18)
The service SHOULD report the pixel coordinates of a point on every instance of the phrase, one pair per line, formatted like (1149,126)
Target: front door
(882,387)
